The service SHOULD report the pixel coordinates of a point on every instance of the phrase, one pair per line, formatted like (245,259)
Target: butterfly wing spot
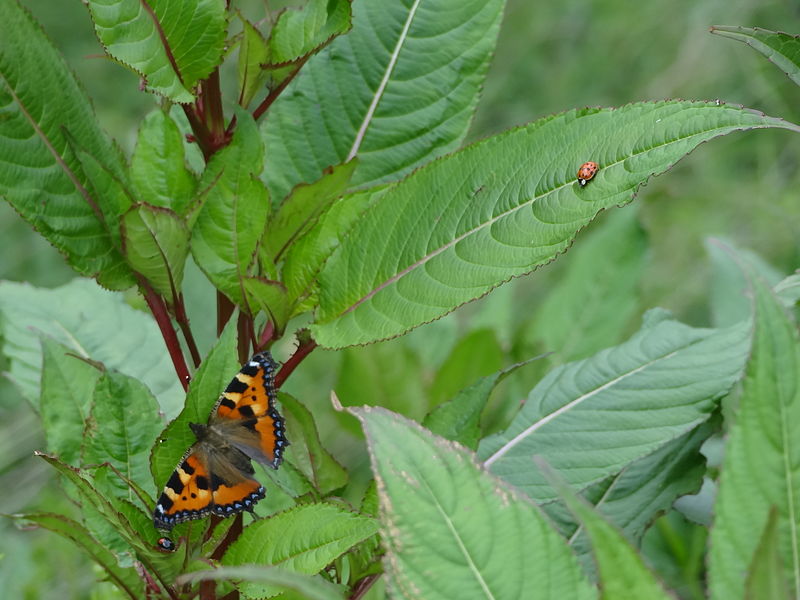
(186,495)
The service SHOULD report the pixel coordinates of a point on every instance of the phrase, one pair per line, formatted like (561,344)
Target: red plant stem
(245,330)
(303,350)
(159,310)
(212,103)
(183,322)
(362,586)
(224,311)
(201,133)
(275,92)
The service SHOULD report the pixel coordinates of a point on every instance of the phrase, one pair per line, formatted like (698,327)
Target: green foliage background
(551,56)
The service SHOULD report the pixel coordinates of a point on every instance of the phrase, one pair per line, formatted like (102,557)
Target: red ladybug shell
(586,172)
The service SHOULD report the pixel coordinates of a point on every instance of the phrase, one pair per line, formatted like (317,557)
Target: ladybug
(166,545)
(586,172)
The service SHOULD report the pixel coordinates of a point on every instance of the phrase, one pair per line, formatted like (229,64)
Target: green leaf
(397,91)
(108,513)
(765,576)
(171,43)
(618,406)
(452,530)
(156,244)
(252,54)
(40,101)
(729,302)
(92,323)
(302,208)
(213,376)
(622,573)
(306,256)
(463,225)
(304,540)
(633,498)
(459,419)
(124,426)
(592,305)
(270,297)
(310,588)
(67,387)
(788,290)
(299,33)
(761,468)
(231,221)
(307,452)
(126,579)
(782,49)
(474,356)
(158,165)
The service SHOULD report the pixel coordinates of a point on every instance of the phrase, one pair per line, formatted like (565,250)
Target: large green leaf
(463,225)
(253,53)
(592,305)
(156,244)
(633,498)
(761,468)
(398,90)
(127,579)
(234,213)
(67,388)
(451,530)
(213,376)
(783,49)
(41,106)
(621,571)
(171,43)
(92,323)
(158,164)
(619,405)
(124,426)
(766,579)
(304,540)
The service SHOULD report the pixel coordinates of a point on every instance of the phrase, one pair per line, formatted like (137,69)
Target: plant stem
(183,322)
(224,311)
(362,586)
(159,310)
(303,349)
(245,330)
(276,91)
(201,133)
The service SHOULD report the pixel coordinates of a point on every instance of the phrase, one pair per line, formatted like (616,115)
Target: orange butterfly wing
(249,400)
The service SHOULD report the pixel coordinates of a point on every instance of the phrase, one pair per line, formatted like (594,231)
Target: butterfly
(215,476)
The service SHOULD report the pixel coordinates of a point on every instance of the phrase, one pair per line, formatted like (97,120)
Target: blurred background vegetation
(551,56)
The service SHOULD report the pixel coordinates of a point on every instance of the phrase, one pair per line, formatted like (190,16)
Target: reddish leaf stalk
(224,311)
(159,310)
(303,350)
(244,327)
(212,103)
(362,586)
(183,322)
(275,92)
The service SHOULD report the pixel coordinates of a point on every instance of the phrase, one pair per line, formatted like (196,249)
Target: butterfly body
(215,476)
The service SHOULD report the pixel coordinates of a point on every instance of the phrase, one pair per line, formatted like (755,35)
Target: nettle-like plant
(332,203)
